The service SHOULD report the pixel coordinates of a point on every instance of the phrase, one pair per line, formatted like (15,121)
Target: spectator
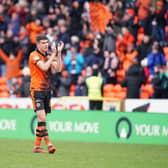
(144,48)
(64,83)
(130,54)
(111,64)
(80,89)
(155,57)
(156,82)
(131,28)
(14,88)
(94,86)
(159,21)
(25,85)
(160,82)
(134,79)
(12,63)
(109,39)
(75,15)
(64,35)
(94,58)
(74,63)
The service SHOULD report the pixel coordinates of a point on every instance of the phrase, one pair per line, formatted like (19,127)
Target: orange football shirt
(40,80)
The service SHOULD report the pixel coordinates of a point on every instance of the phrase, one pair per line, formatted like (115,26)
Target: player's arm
(56,64)
(45,66)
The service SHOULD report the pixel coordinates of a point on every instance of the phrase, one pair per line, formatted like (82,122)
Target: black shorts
(41,100)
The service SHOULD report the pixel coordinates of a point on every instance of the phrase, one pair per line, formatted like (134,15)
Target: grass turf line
(18,154)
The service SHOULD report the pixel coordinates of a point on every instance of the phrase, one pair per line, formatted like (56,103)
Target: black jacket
(135,77)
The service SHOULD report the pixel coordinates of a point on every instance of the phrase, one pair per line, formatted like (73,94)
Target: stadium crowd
(123,42)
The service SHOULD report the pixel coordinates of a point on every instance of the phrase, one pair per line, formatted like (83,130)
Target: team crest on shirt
(35,58)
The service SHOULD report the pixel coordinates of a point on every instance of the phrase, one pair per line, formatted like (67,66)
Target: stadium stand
(122,31)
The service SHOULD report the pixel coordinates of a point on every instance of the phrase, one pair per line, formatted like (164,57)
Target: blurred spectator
(127,36)
(144,48)
(160,82)
(11,44)
(159,21)
(94,84)
(64,35)
(155,57)
(3,19)
(109,39)
(166,33)
(130,54)
(156,82)
(74,63)
(25,85)
(34,28)
(64,83)
(75,14)
(128,28)
(14,24)
(14,88)
(94,58)
(111,64)
(12,63)
(80,89)
(130,20)
(134,79)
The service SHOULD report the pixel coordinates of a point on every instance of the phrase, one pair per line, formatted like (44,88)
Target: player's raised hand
(60,46)
(53,47)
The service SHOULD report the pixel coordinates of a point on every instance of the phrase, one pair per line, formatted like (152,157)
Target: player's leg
(40,130)
(38,105)
(50,146)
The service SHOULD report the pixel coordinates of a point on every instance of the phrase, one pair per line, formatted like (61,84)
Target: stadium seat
(4,94)
(108,90)
(117,88)
(72,90)
(120,95)
(3,88)
(146,91)
(165,49)
(120,75)
(3,80)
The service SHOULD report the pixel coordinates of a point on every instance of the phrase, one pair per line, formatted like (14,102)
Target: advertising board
(91,126)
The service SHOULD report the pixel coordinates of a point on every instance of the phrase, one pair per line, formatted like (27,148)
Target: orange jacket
(12,66)
(33,31)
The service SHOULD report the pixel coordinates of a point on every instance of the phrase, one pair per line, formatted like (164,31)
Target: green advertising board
(92,126)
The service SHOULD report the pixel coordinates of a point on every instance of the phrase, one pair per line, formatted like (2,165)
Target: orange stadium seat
(108,90)
(165,49)
(120,75)
(121,95)
(4,94)
(3,88)
(72,90)
(3,80)
(146,91)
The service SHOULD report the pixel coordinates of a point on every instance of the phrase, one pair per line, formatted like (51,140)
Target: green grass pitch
(18,154)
